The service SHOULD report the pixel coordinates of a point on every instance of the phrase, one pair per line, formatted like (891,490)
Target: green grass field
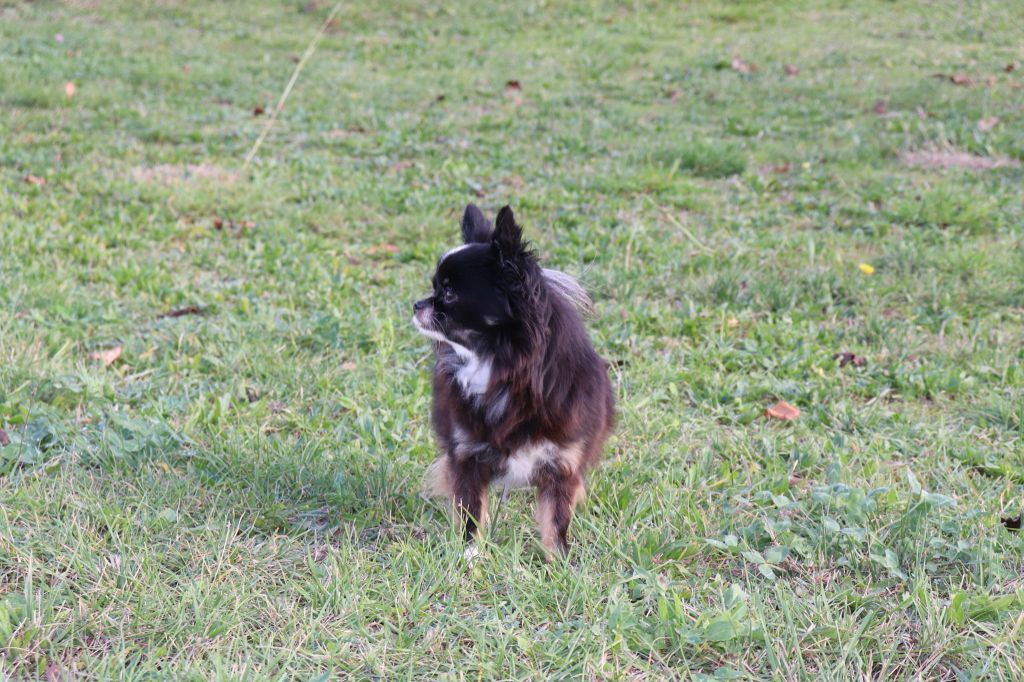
(748,189)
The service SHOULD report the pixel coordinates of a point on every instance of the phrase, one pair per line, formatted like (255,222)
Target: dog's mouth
(425,321)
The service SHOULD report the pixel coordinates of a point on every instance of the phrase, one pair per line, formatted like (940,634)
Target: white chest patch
(474,375)
(521,465)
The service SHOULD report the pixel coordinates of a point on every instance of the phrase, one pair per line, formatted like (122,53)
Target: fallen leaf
(961,79)
(257,110)
(782,410)
(881,107)
(344,132)
(185,68)
(866,268)
(988,123)
(35,180)
(513,85)
(388,248)
(69,89)
(1012,523)
(1010,68)
(108,356)
(348,365)
(440,98)
(4,438)
(847,358)
(401,165)
(181,312)
(252,395)
(732,322)
(218,224)
(784,168)
(742,66)
(790,70)
(248,224)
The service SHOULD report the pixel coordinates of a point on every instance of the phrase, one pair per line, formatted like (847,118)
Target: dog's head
(482,289)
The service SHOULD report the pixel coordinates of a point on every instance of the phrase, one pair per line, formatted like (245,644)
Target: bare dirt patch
(955,159)
(177,174)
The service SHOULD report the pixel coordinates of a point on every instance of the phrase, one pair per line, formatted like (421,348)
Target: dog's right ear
(475,228)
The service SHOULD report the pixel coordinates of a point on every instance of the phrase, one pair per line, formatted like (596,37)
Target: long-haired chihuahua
(520,396)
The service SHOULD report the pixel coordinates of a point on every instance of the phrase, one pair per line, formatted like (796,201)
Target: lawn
(215,408)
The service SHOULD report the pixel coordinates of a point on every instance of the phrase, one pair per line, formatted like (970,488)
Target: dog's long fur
(520,395)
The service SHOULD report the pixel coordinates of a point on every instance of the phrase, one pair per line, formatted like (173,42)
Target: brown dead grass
(956,159)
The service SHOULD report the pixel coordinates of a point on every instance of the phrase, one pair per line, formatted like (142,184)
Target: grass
(236,496)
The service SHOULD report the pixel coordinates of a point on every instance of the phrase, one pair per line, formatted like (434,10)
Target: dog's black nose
(420,304)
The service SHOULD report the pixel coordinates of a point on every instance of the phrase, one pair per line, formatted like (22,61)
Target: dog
(520,397)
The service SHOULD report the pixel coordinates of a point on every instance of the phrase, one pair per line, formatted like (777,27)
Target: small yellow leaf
(866,269)
(732,322)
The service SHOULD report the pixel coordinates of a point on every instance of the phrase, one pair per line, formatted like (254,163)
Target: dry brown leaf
(69,89)
(784,168)
(35,180)
(988,123)
(881,107)
(513,85)
(108,356)
(742,66)
(4,438)
(790,70)
(847,358)
(961,79)
(257,110)
(181,312)
(384,247)
(1010,68)
(782,410)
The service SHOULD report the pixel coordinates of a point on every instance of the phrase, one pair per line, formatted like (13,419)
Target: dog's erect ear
(475,228)
(508,237)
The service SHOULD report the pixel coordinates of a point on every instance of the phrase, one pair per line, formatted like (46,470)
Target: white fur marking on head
(568,288)
(451,251)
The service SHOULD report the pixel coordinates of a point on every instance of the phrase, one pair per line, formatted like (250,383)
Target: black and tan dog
(520,396)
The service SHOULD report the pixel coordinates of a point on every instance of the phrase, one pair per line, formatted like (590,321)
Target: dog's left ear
(475,228)
(508,236)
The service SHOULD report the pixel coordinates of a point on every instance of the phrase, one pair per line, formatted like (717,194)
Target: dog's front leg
(469,488)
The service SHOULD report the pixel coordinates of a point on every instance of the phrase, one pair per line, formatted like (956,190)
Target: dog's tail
(568,288)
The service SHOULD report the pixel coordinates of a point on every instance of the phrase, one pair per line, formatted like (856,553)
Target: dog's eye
(447,295)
